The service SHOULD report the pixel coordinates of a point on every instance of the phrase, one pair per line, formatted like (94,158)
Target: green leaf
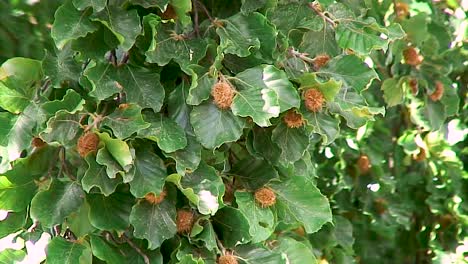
(302,200)
(263,93)
(162,4)
(167,133)
(213,126)
(354,108)
(393,92)
(361,36)
(293,16)
(118,149)
(112,167)
(202,83)
(62,68)
(293,142)
(97,5)
(11,256)
(154,222)
(233,226)
(15,221)
(111,212)
(323,124)
(125,121)
(177,109)
(258,254)
(416,28)
(187,159)
(203,230)
(252,5)
(149,173)
(184,52)
(329,89)
(242,34)
(141,86)
(351,71)
(11,100)
(70,24)
(261,220)
(62,128)
(96,44)
(105,252)
(254,173)
(71,102)
(295,251)
(124,24)
(102,78)
(62,251)
(96,176)
(17,188)
(181,8)
(203,187)
(52,206)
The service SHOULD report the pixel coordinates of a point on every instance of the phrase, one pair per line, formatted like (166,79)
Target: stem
(137,249)
(205,10)
(302,56)
(220,245)
(321,14)
(195,19)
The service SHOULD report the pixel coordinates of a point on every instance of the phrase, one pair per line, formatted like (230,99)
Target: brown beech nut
(313,100)
(185,219)
(227,259)
(293,119)
(320,61)
(265,197)
(402,9)
(413,84)
(223,94)
(155,199)
(363,164)
(380,205)
(438,92)
(87,143)
(412,56)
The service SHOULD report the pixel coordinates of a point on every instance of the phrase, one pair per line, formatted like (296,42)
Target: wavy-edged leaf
(203,187)
(17,188)
(52,206)
(154,222)
(70,24)
(61,68)
(233,226)
(118,149)
(293,142)
(149,173)
(166,132)
(62,251)
(324,124)
(97,5)
(295,251)
(111,212)
(349,69)
(106,252)
(124,24)
(299,198)
(263,92)
(102,78)
(96,176)
(125,121)
(187,159)
(261,220)
(71,102)
(213,126)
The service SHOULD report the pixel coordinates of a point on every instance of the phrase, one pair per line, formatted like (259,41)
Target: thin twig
(220,245)
(300,55)
(205,10)
(321,14)
(137,249)
(195,19)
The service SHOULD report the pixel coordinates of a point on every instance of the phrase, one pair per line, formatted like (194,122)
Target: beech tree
(244,131)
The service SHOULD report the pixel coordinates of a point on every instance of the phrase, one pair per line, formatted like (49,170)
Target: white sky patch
(455,132)
(36,251)
(369,62)
(352,144)
(328,153)
(3,215)
(208,202)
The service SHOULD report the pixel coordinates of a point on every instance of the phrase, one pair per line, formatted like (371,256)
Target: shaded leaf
(62,251)
(96,176)
(233,227)
(110,213)
(149,173)
(167,133)
(125,121)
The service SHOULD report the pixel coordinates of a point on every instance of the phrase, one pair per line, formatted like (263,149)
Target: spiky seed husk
(421,155)
(265,197)
(438,92)
(38,142)
(402,9)
(412,56)
(87,143)
(223,94)
(293,119)
(227,259)
(364,164)
(413,84)
(185,219)
(169,13)
(313,100)
(320,61)
(155,199)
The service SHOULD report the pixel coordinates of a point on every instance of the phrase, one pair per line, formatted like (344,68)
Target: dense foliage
(252,131)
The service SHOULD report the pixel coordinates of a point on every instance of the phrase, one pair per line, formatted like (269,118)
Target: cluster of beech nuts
(223,94)
(265,197)
(87,143)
